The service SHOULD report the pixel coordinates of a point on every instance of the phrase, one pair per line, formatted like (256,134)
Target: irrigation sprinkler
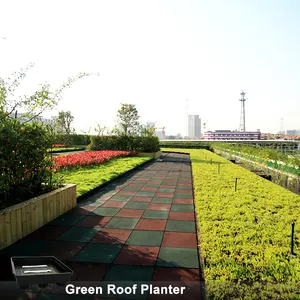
(292,239)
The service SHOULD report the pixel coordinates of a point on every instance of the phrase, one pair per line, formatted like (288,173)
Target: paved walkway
(139,228)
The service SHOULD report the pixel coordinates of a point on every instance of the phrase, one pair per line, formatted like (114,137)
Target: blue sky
(156,54)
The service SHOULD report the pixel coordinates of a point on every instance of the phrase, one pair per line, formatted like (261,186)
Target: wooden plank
(52,206)
(33,217)
(28,217)
(19,223)
(39,213)
(13,221)
(23,221)
(2,232)
(8,229)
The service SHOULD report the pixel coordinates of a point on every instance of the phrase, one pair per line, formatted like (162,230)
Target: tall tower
(186,117)
(242,118)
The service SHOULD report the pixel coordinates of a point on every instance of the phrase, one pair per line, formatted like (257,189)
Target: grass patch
(88,178)
(244,235)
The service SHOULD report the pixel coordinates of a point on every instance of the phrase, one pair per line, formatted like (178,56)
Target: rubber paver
(139,228)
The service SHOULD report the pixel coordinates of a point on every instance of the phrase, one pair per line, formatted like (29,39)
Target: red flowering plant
(86,158)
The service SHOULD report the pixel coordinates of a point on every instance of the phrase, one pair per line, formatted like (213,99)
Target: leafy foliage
(25,170)
(72,139)
(125,143)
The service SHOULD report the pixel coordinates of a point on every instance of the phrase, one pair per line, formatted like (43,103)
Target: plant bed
(19,220)
(39,270)
(245,234)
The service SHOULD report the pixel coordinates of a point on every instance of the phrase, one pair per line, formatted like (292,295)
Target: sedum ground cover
(244,234)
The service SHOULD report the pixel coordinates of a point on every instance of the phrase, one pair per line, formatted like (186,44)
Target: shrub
(25,170)
(125,143)
(72,139)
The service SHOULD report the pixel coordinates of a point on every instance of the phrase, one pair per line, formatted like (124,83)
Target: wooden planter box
(151,154)
(21,219)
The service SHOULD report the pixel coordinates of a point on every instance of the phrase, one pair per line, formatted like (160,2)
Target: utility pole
(242,117)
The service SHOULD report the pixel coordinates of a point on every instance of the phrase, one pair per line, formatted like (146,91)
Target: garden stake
(235,184)
(292,238)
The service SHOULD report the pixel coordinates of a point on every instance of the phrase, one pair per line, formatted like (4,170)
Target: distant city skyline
(157,54)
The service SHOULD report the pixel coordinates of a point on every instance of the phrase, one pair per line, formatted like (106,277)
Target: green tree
(64,122)
(148,129)
(101,129)
(128,119)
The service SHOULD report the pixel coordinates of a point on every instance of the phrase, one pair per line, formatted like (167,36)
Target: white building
(194,126)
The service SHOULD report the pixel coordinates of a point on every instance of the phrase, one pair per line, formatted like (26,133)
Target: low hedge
(125,143)
(72,139)
(186,145)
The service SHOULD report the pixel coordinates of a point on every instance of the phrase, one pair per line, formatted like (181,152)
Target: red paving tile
(48,232)
(112,203)
(164,195)
(129,193)
(185,216)
(165,186)
(94,221)
(188,192)
(130,213)
(112,236)
(136,184)
(175,274)
(141,199)
(63,250)
(159,206)
(170,181)
(148,189)
(150,224)
(137,255)
(183,201)
(180,240)
(184,184)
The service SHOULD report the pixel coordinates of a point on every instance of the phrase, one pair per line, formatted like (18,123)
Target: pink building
(232,135)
